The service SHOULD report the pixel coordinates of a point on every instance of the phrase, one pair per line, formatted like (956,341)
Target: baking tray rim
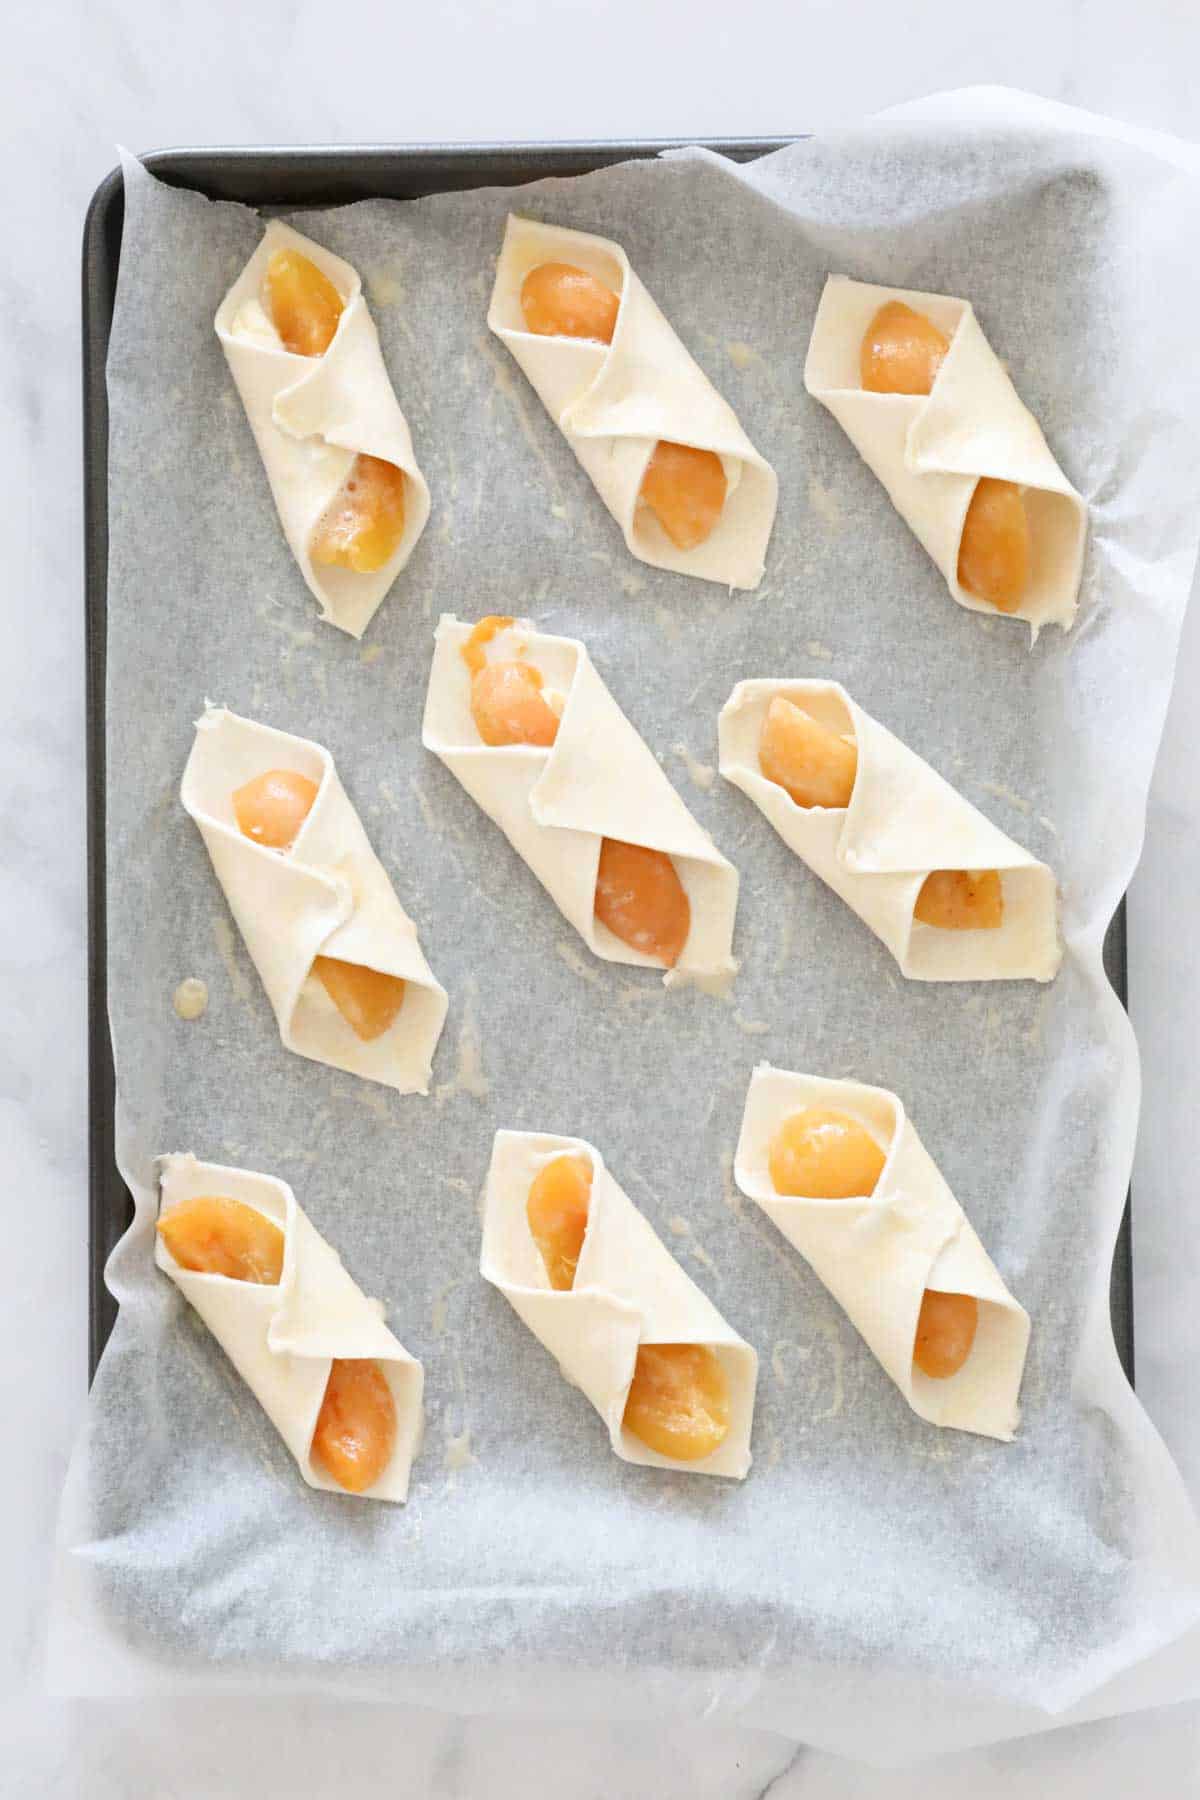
(208,170)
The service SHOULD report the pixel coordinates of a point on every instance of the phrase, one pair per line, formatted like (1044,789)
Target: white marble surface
(74,79)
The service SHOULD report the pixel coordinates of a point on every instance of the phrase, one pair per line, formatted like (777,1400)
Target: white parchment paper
(875,1586)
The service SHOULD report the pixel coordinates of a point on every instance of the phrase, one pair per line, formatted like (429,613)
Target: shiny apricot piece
(902,351)
(356,1427)
(994,551)
(641,899)
(363,527)
(474,651)
(303,303)
(213,1235)
(961,900)
(815,766)
(678,1400)
(559,300)
(557,1210)
(945,1333)
(508,708)
(824,1155)
(685,490)
(367,999)
(272,807)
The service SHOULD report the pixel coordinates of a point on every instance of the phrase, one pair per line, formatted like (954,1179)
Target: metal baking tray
(288,180)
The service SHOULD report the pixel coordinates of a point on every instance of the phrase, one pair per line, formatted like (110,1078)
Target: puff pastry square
(614,402)
(628,1291)
(903,822)
(929,451)
(878,1254)
(598,779)
(283,1339)
(329,895)
(312,415)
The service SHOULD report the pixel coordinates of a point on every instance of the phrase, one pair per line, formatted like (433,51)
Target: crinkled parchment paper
(875,1586)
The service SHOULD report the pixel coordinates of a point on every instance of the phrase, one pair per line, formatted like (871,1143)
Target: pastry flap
(975,423)
(903,817)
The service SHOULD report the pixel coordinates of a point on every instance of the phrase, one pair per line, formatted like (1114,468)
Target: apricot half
(678,1401)
(685,490)
(815,766)
(961,900)
(303,304)
(945,1333)
(901,352)
(213,1235)
(272,807)
(559,300)
(367,999)
(994,552)
(557,1211)
(641,899)
(356,1427)
(364,525)
(824,1155)
(508,707)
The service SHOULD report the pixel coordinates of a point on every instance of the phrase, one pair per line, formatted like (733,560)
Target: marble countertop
(77,78)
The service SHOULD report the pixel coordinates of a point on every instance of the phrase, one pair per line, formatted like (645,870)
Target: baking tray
(285,180)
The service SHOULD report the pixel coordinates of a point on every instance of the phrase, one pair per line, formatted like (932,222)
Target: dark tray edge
(237,173)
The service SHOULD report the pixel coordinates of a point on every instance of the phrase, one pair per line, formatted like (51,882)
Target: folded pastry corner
(839,1168)
(528,727)
(304,352)
(336,952)
(344,1395)
(584,1270)
(663,450)
(943,888)
(930,408)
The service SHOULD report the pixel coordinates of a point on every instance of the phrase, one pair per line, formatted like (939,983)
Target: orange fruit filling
(559,300)
(994,552)
(303,304)
(961,900)
(641,899)
(824,1155)
(272,808)
(902,351)
(815,766)
(685,490)
(213,1235)
(356,1427)
(945,1333)
(508,708)
(363,527)
(367,999)
(557,1211)
(678,1400)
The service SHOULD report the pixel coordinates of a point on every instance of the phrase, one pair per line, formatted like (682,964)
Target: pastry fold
(328,895)
(930,450)
(628,1291)
(903,822)
(614,402)
(312,415)
(282,1340)
(597,780)
(878,1255)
